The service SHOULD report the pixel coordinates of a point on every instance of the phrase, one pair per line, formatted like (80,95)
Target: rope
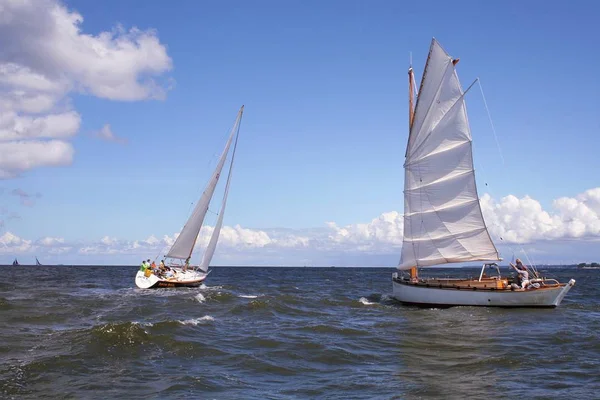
(491,122)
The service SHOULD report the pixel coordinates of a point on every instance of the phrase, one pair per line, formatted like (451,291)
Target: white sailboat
(443,222)
(180,273)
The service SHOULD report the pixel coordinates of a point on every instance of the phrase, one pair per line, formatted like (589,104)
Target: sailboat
(15,263)
(443,222)
(37,262)
(180,273)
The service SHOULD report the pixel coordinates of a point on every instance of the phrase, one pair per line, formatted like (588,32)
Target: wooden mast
(411,115)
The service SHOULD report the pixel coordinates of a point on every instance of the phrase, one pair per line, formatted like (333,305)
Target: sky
(112,116)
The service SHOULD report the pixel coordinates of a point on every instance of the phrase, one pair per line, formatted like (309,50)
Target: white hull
(190,278)
(435,296)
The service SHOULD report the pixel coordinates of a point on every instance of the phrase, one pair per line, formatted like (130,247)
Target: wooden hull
(447,296)
(189,279)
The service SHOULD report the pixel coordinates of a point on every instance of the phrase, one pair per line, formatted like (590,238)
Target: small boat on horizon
(179,273)
(37,262)
(443,222)
(15,263)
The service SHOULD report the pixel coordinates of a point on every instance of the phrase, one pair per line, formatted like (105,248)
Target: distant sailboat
(15,263)
(184,274)
(443,222)
(37,262)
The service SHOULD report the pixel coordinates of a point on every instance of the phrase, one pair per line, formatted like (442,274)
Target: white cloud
(51,241)
(523,220)
(44,57)
(10,243)
(16,157)
(516,220)
(383,231)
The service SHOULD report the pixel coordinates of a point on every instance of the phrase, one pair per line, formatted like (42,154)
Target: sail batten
(443,222)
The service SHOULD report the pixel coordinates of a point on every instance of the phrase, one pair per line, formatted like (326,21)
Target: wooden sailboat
(443,222)
(180,272)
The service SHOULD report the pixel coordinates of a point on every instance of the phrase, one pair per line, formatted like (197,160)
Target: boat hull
(189,279)
(421,295)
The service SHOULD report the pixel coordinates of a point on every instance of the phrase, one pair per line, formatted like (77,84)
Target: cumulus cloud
(383,231)
(510,220)
(44,57)
(524,220)
(10,243)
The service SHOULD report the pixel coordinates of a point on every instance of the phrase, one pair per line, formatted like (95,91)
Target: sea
(83,332)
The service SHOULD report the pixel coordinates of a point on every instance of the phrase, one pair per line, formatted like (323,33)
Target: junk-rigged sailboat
(180,272)
(443,222)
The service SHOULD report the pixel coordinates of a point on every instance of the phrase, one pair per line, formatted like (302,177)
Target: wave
(196,321)
(366,302)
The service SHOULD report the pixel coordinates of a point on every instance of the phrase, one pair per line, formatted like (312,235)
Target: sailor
(143,266)
(523,273)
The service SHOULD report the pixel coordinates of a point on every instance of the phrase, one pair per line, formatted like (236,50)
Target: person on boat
(143,266)
(153,266)
(523,273)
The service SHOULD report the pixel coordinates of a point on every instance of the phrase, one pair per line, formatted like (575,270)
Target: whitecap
(200,297)
(248,296)
(196,321)
(363,300)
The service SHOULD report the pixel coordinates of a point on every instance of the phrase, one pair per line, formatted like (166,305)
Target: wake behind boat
(443,222)
(179,273)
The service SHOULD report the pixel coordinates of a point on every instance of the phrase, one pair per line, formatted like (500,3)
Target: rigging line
(501,157)
(491,122)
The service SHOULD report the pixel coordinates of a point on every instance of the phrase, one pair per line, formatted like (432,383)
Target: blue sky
(325,126)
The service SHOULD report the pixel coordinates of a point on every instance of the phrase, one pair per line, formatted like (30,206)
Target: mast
(411,91)
(443,222)
(212,244)
(411,115)
(184,244)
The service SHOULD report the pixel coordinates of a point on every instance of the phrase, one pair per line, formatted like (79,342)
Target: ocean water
(284,333)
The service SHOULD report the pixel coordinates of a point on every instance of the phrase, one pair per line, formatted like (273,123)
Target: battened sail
(184,244)
(442,216)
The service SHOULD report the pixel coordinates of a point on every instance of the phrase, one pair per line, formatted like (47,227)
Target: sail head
(443,222)
(184,244)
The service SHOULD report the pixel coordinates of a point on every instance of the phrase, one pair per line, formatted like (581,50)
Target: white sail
(442,216)
(184,244)
(212,244)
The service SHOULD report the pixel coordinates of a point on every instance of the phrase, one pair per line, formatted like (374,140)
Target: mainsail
(184,244)
(443,222)
(37,262)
